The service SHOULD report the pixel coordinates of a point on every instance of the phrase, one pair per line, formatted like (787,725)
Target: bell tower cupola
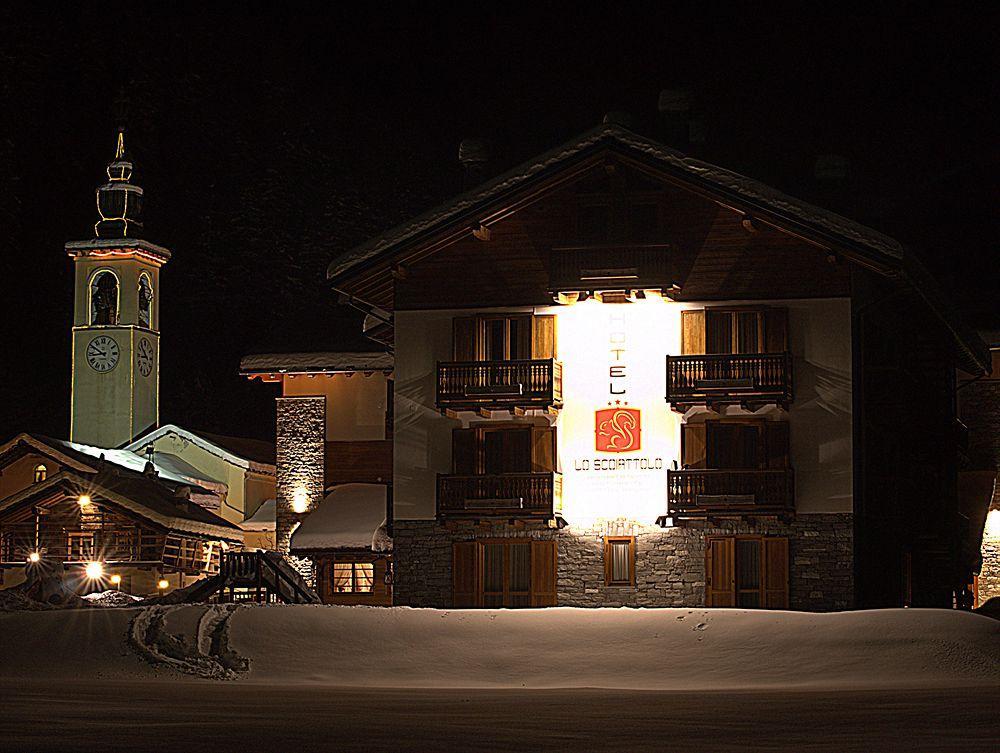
(116,317)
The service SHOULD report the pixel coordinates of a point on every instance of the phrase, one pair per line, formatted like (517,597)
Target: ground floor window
(746,571)
(353,577)
(507,573)
(619,561)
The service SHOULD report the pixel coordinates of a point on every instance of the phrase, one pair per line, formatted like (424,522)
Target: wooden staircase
(259,576)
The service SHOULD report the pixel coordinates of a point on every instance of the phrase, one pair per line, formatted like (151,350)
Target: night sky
(270,140)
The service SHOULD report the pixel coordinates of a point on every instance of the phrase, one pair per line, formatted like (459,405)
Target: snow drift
(664,649)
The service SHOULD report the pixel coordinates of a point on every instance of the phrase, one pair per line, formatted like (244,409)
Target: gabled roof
(83,458)
(738,191)
(144,496)
(251,454)
(313,363)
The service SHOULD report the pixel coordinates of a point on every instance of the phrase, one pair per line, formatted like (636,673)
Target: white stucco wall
(355,404)
(820,417)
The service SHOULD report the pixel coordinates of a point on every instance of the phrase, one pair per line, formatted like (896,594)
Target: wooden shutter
(543,449)
(775,330)
(720,571)
(464,338)
(543,337)
(544,564)
(776,444)
(775,578)
(693,332)
(463,451)
(517,450)
(465,574)
(693,445)
(719,331)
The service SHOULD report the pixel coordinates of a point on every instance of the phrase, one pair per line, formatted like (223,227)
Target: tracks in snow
(205,654)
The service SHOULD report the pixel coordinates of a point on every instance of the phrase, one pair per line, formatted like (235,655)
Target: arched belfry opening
(145,301)
(104,298)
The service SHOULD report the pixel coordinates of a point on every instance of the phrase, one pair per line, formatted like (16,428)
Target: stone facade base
(670,562)
(989,577)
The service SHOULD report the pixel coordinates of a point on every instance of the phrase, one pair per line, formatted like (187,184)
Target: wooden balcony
(617,267)
(508,495)
(752,379)
(499,385)
(698,493)
(107,544)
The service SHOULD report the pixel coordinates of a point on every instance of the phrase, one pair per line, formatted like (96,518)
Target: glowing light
(34,557)
(95,570)
(617,437)
(300,500)
(84,500)
(162,584)
(993,525)
(116,579)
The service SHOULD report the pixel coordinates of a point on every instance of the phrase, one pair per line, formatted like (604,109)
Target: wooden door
(466,589)
(544,568)
(775,577)
(720,572)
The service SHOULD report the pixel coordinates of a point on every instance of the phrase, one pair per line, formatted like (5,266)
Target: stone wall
(670,562)
(989,576)
(301,443)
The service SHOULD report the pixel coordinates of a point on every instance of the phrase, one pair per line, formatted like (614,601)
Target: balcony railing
(19,540)
(729,378)
(695,493)
(610,267)
(514,495)
(470,385)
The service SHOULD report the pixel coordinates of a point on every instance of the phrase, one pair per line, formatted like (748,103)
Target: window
(619,561)
(742,330)
(41,473)
(503,337)
(728,444)
(145,294)
(104,298)
(746,571)
(80,546)
(509,573)
(496,449)
(353,577)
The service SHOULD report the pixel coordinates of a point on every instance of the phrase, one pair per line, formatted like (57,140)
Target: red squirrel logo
(618,430)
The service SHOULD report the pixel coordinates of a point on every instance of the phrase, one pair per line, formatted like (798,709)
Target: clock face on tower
(102,353)
(144,356)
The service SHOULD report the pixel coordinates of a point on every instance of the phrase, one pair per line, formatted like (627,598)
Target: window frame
(609,543)
(354,589)
(40,473)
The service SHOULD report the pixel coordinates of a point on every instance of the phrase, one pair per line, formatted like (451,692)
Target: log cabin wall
(327,578)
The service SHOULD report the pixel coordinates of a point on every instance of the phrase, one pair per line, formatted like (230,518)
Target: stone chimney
(474,154)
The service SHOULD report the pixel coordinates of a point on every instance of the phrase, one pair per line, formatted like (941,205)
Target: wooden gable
(710,250)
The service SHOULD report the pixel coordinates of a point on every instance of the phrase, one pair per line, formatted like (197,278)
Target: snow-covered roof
(242,455)
(352,516)
(263,519)
(743,193)
(305,363)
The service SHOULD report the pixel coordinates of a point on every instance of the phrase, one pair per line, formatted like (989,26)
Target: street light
(116,581)
(94,570)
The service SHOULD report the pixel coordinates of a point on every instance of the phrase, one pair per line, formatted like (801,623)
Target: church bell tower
(116,319)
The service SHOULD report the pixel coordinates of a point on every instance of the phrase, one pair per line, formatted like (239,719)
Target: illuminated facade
(622,377)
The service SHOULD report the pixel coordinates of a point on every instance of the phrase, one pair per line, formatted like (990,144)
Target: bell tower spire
(116,320)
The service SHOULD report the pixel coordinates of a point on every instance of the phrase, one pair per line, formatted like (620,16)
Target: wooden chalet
(624,376)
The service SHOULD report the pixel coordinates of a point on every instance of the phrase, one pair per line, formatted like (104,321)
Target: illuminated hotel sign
(617,435)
